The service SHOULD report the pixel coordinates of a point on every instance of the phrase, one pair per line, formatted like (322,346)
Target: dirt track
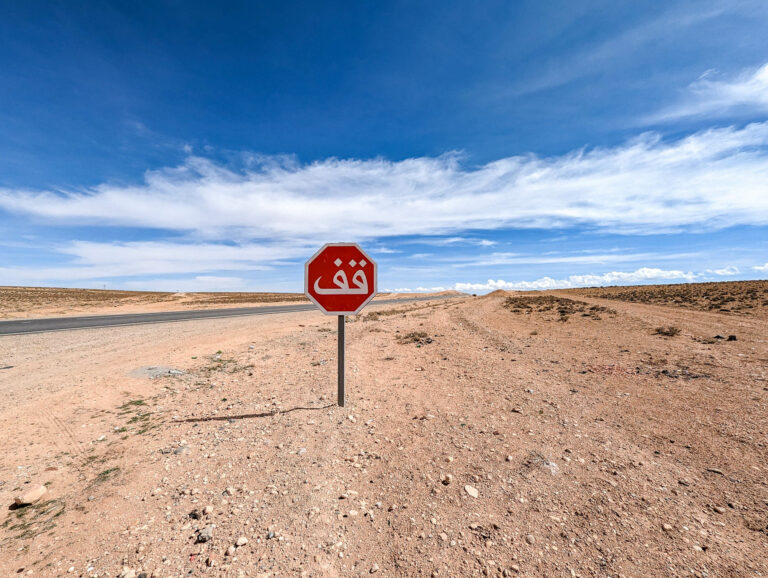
(584,439)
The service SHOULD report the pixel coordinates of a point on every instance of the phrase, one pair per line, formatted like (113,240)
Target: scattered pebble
(472,491)
(205,535)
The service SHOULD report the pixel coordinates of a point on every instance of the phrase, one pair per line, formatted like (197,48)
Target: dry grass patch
(529,304)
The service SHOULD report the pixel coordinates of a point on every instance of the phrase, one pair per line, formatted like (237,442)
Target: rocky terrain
(505,435)
(746,297)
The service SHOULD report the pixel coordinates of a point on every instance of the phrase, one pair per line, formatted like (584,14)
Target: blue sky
(187,146)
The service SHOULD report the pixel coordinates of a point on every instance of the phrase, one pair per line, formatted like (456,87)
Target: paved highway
(22,326)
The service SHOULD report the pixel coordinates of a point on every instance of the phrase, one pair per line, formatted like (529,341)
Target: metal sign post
(341,361)
(340,279)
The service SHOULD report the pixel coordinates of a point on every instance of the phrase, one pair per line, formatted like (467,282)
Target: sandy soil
(481,437)
(39,302)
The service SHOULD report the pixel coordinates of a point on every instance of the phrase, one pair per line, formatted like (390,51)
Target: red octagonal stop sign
(340,278)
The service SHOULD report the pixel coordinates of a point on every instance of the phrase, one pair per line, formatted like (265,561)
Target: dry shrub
(527,304)
(667,331)
(418,337)
(745,297)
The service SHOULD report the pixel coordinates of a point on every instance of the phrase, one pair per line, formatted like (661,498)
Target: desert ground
(42,302)
(600,432)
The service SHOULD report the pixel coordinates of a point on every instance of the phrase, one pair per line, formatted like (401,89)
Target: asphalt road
(22,326)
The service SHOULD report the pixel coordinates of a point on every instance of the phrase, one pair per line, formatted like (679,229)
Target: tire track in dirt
(61,426)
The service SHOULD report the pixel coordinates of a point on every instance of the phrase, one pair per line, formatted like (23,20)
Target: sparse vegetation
(745,297)
(106,475)
(418,337)
(29,521)
(528,304)
(129,405)
(667,331)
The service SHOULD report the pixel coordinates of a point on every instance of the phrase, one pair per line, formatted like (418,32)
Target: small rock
(443,536)
(351,418)
(205,535)
(270,535)
(530,538)
(195,514)
(731,338)
(472,491)
(30,496)
(666,527)
(449,459)
(447,479)
(510,458)
(210,561)
(719,509)
(241,541)
(374,568)
(127,573)
(231,551)
(208,510)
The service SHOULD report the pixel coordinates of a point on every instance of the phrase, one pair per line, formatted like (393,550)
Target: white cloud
(712,179)
(725,271)
(495,259)
(748,92)
(457,241)
(761,268)
(642,275)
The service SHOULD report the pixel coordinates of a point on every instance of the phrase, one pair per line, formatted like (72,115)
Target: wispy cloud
(725,271)
(712,96)
(761,268)
(622,47)
(89,260)
(448,241)
(496,259)
(709,180)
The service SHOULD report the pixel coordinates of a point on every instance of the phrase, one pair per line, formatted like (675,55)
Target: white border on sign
(364,303)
